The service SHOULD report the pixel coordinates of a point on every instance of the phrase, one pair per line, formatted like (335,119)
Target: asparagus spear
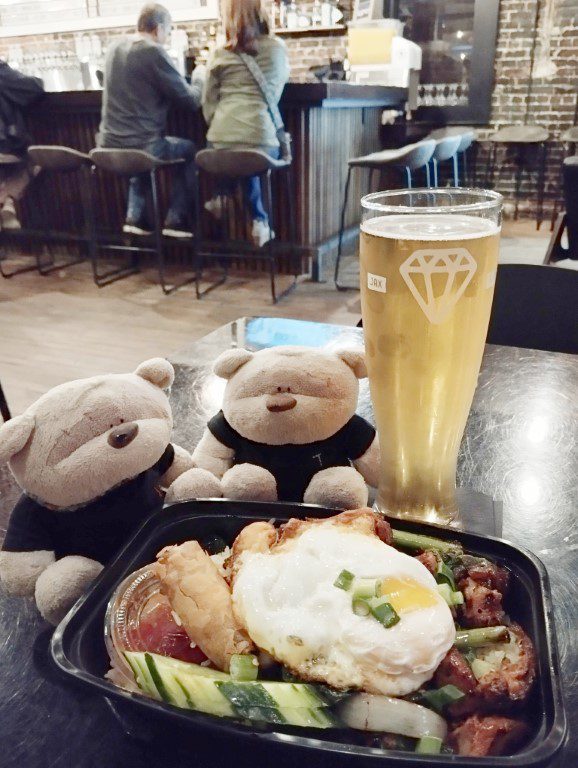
(415,541)
(467,639)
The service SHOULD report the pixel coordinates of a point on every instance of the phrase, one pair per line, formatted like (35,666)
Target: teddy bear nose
(122,435)
(280,401)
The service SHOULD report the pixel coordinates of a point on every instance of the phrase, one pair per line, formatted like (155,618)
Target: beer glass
(428,260)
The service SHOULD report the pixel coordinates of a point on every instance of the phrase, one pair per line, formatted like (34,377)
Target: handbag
(283,136)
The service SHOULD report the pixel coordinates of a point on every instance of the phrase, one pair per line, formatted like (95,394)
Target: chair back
(124,162)
(466,141)
(447,147)
(535,307)
(570,173)
(57,158)
(236,163)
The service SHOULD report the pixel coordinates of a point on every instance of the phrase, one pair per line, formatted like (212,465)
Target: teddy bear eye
(278,389)
(122,421)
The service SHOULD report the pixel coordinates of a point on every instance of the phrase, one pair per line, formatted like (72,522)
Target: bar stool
(126,163)
(62,162)
(446,149)
(407,159)
(468,137)
(9,164)
(569,138)
(235,165)
(521,137)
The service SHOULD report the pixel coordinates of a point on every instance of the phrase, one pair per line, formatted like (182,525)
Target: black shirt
(97,530)
(293,466)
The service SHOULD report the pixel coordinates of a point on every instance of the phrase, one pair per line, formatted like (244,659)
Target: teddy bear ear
(158,371)
(230,361)
(355,359)
(14,434)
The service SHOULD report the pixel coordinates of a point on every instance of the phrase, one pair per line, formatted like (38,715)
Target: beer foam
(430,227)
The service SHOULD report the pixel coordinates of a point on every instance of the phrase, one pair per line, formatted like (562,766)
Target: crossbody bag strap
(259,78)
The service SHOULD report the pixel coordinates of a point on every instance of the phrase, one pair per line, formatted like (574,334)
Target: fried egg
(288,603)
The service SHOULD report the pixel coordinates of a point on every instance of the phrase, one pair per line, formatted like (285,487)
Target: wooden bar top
(333,94)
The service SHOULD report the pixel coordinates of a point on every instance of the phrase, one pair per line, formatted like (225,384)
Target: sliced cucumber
(181,666)
(193,687)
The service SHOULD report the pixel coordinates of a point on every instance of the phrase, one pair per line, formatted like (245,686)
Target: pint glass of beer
(428,265)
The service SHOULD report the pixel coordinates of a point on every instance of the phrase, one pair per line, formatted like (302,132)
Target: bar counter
(329,123)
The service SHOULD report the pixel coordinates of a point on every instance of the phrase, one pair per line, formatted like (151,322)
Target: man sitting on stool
(140,82)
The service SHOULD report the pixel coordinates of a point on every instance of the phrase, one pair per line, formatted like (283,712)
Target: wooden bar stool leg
(341,229)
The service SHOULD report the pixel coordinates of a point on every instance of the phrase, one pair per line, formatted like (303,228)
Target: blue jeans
(251,186)
(183,181)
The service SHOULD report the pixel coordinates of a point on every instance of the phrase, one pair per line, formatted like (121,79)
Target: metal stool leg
(199,258)
(541,174)
(408,176)
(465,171)
(427,176)
(341,229)
(4,410)
(292,222)
(456,170)
(518,182)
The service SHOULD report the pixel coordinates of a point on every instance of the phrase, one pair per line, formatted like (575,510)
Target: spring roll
(201,598)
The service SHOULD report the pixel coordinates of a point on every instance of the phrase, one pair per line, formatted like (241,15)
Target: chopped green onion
(429,745)
(416,541)
(451,598)
(244,666)
(365,588)
(384,612)
(360,606)
(439,698)
(444,575)
(344,580)
(473,638)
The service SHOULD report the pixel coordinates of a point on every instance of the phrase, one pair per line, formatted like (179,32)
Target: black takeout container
(79,651)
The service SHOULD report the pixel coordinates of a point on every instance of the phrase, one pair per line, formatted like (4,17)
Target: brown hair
(153,16)
(245,21)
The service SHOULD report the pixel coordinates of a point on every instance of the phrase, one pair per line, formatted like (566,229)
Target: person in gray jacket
(140,83)
(233,104)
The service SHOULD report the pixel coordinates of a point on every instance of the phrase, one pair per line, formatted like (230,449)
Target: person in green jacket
(233,105)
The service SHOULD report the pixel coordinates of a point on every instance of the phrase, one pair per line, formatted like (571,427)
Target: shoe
(261,233)
(175,228)
(136,228)
(8,218)
(215,207)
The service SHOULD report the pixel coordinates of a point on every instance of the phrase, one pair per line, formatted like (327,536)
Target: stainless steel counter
(520,446)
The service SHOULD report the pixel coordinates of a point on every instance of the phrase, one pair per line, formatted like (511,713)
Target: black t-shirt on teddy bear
(293,466)
(97,530)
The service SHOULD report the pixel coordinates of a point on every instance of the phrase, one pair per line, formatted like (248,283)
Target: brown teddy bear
(288,429)
(91,456)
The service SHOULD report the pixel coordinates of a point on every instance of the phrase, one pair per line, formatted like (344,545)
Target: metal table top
(520,446)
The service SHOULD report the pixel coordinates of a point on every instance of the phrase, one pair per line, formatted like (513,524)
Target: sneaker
(261,233)
(215,207)
(136,228)
(8,218)
(179,229)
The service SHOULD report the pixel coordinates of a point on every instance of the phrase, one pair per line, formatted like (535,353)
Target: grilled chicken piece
(484,585)
(429,559)
(479,736)
(201,598)
(501,688)
(455,670)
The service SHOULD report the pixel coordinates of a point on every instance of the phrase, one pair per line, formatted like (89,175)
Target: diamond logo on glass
(437,278)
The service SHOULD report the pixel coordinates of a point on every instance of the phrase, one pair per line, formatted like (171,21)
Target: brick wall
(554,87)
(552,90)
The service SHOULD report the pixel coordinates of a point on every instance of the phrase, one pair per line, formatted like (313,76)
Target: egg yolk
(407,595)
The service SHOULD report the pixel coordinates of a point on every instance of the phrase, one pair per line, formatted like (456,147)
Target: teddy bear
(91,457)
(288,430)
